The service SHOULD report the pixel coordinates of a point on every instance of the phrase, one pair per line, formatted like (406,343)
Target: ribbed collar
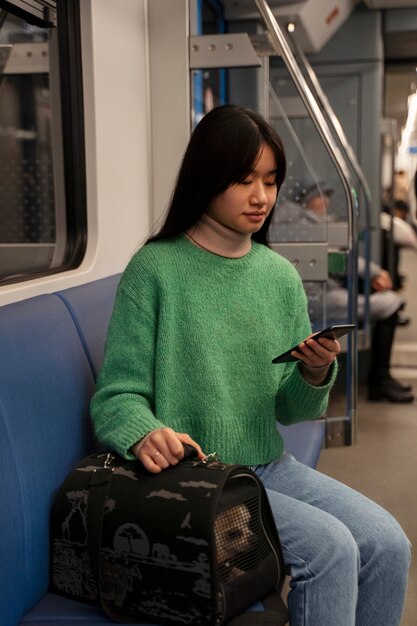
(210,235)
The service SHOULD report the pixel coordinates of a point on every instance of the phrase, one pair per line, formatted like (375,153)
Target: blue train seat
(45,386)
(51,348)
(91,306)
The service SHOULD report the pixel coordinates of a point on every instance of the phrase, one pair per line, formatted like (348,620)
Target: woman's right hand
(164,447)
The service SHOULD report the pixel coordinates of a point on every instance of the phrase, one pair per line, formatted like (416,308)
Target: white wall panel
(117,135)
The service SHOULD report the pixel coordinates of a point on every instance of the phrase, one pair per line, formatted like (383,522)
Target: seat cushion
(54,609)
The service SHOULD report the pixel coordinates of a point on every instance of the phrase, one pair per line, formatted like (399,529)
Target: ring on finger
(155,455)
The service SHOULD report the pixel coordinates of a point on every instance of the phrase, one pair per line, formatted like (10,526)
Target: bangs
(229,142)
(242,157)
(236,161)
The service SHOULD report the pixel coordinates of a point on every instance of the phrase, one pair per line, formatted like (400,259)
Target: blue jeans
(347,557)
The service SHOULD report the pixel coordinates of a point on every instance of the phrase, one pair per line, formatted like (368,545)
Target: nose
(259,196)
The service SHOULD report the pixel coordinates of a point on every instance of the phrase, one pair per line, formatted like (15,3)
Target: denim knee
(324,589)
(341,556)
(399,547)
(386,556)
(331,553)
(388,544)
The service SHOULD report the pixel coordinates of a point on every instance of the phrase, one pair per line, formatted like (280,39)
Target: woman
(201,310)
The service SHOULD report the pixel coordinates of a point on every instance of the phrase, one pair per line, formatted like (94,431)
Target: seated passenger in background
(402,212)
(401,185)
(397,233)
(311,206)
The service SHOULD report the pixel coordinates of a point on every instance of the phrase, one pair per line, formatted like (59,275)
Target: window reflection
(28,211)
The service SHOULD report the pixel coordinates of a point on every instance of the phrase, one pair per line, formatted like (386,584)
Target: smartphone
(331,332)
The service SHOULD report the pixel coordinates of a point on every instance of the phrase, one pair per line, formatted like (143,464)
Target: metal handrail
(350,155)
(280,45)
(333,120)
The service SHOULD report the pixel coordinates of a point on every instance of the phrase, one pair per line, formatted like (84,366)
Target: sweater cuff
(328,380)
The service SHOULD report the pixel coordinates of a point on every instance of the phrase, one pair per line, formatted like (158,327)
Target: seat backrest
(45,387)
(91,306)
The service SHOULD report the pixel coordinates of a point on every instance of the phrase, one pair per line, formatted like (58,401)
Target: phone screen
(332,332)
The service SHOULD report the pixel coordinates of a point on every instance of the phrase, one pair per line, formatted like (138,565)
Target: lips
(255,217)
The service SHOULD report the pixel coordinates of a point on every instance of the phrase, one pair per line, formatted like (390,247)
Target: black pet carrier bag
(195,544)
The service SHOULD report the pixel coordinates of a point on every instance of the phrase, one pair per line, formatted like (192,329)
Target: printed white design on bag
(168,495)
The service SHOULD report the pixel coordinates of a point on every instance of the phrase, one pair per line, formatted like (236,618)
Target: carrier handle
(190,453)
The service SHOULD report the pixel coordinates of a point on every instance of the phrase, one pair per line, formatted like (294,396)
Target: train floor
(382,464)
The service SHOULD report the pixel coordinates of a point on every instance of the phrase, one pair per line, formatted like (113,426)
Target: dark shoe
(395,384)
(402,320)
(381,393)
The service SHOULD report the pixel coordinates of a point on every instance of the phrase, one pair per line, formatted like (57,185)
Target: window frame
(65,16)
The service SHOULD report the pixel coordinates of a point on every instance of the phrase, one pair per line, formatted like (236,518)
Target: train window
(42,163)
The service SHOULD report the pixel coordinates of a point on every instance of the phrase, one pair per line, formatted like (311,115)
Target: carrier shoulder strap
(98,490)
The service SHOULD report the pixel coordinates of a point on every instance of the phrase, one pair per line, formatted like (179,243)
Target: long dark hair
(222,150)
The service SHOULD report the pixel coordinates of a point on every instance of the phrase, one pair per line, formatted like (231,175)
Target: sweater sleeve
(297,400)
(122,408)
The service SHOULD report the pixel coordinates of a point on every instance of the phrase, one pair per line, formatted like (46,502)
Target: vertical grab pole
(282,48)
(351,156)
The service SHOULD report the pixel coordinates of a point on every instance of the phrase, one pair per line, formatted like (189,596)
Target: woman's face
(245,206)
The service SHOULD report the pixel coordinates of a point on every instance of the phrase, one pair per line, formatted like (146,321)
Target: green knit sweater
(190,346)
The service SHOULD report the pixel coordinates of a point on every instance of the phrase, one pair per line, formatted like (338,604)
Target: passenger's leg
(384,307)
(348,557)
(380,383)
(381,348)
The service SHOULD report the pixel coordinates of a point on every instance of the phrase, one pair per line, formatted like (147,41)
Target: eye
(271,183)
(234,534)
